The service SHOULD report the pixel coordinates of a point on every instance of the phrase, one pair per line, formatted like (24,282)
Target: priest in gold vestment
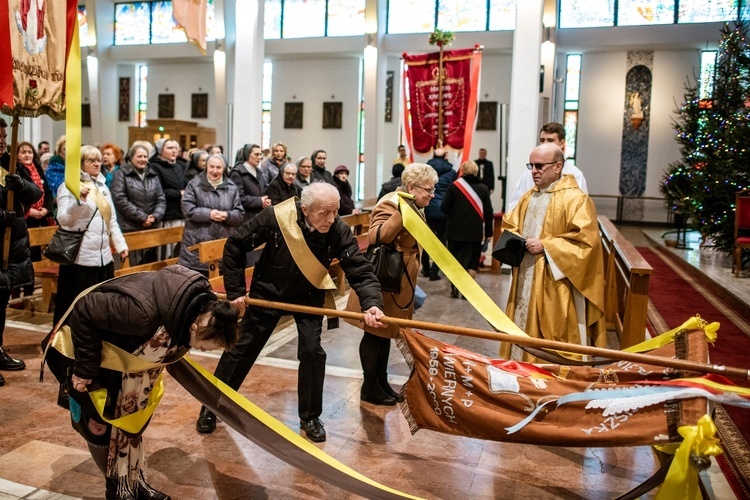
(557,293)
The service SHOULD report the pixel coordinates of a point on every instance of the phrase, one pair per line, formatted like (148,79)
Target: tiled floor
(42,457)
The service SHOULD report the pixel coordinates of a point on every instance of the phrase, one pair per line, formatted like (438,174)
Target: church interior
(324,74)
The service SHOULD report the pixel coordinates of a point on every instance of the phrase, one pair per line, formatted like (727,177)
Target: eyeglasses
(539,166)
(428,191)
(92,161)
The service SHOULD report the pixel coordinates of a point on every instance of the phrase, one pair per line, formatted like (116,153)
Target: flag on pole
(40,68)
(460,81)
(191,17)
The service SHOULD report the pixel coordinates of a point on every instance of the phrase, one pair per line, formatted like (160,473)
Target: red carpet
(678,296)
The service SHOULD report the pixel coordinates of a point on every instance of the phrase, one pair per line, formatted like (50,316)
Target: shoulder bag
(64,246)
(387,264)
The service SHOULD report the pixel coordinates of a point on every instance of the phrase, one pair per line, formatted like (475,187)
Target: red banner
(459,90)
(33,51)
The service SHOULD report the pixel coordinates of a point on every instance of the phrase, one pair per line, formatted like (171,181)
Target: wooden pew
(46,270)
(210,252)
(626,275)
(359,222)
(150,238)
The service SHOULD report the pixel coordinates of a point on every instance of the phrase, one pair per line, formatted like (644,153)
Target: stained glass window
(346,17)
(142,92)
(265,118)
(152,22)
(586,13)
(163,26)
(706,11)
(411,16)
(272,19)
(304,18)
(83,26)
(644,12)
(572,96)
(462,15)
(502,15)
(132,22)
(708,66)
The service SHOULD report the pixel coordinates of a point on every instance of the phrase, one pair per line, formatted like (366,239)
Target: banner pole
(8,192)
(740,373)
(440,99)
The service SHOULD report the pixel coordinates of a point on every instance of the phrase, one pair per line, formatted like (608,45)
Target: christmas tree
(714,135)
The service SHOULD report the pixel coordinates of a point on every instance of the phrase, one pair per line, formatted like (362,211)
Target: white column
(524,88)
(245,95)
(220,80)
(374,97)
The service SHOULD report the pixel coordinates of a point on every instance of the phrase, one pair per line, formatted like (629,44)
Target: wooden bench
(44,269)
(48,272)
(359,222)
(626,275)
(151,238)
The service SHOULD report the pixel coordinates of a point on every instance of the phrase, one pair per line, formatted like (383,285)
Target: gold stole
(312,269)
(104,207)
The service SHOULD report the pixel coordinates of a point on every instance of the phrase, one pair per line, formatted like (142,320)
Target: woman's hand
(79,384)
(124,255)
(372,317)
(37,214)
(239,303)
(265,201)
(84,192)
(217,216)
(150,220)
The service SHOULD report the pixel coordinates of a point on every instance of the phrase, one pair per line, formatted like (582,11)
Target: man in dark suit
(486,170)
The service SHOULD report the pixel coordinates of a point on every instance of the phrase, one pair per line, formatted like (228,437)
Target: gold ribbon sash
(312,269)
(103,205)
(453,270)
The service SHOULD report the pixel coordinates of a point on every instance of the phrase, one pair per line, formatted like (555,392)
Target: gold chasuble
(559,294)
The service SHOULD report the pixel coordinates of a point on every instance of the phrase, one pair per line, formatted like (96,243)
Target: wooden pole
(679,364)
(440,99)
(8,192)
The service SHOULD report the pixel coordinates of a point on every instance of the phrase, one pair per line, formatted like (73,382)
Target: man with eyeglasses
(557,293)
(550,133)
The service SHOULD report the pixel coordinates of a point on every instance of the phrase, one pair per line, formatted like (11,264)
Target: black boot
(114,492)
(371,392)
(146,492)
(369,351)
(2,381)
(384,352)
(206,423)
(454,292)
(8,363)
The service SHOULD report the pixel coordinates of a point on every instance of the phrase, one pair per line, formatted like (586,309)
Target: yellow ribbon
(453,270)
(312,269)
(682,478)
(73,116)
(665,338)
(136,421)
(286,433)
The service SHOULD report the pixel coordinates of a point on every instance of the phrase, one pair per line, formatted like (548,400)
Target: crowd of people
(291,210)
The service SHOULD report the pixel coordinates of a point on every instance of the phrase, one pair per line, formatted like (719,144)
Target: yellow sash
(312,269)
(102,204)
(453,270)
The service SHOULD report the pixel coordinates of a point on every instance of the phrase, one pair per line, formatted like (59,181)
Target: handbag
(64,246)
(387,264)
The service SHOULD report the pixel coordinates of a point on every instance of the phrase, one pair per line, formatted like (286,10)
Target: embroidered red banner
(34,46)
(460,77)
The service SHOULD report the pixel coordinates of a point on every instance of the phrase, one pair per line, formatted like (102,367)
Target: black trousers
(257,326)
(4,298)
(438,227)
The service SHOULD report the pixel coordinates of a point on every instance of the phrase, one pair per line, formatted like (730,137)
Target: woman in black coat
(283,187)
(470,218)
(246,174)
(176,310)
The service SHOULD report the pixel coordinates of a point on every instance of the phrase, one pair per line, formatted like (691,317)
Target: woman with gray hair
(95,215)
(283,186)
(212,209)
(304,173)
(138,197)
(470,219)
(386,226)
